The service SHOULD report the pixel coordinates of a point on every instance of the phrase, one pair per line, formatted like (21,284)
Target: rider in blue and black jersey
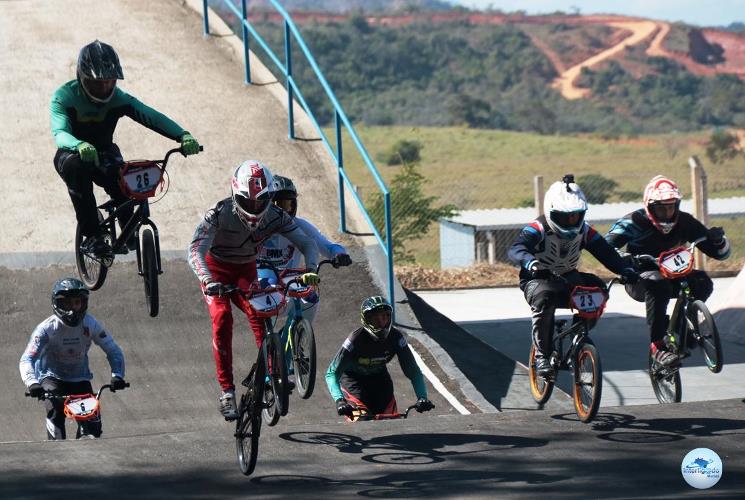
(551,245)
(658,226)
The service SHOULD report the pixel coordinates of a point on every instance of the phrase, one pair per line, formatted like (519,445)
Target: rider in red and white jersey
(223,252)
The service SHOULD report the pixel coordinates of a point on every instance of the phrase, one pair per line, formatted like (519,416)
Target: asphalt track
(163,437)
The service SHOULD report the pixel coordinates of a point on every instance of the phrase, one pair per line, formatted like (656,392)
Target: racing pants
(656,291)
(373,393)
(545,296)
(56,408)
(79,177)
(221,314)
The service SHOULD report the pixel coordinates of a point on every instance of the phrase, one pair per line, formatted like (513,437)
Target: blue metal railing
(340,119)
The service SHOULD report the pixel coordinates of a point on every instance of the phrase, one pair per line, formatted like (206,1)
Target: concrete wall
(457,245)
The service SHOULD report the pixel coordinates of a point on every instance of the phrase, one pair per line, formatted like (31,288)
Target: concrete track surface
(163,437)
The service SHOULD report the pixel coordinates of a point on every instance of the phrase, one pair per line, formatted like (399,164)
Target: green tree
(722,146)
(597,188)
(411,211)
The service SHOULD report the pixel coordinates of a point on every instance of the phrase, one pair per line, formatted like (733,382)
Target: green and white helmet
(370,304)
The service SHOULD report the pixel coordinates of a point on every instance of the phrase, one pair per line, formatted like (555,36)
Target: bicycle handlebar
(175,150)
(50,395)
(645,258)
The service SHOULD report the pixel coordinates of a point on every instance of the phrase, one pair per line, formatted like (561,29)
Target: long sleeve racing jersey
(283,254)
(361,355)
(638,234)
(61,351)
(538,242)
(225,237)
(76,119)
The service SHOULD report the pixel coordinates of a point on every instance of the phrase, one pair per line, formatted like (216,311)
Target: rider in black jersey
(360,365)
(658,226)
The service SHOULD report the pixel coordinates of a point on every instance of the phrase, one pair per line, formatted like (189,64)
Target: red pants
(222,315)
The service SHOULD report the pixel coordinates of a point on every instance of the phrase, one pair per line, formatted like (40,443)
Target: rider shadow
(414,449)
(621,427)
(422,483)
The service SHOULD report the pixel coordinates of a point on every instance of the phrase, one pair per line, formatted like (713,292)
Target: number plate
(268,304)
(677,262)
(81,408)
(588,301)
(140,179)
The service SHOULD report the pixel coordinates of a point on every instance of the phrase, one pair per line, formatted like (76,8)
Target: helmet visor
(379,318)
(249,206)
(664,212)
(568,220)
(284,204)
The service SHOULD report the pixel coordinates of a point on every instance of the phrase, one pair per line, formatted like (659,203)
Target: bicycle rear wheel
(150,270)
(665,382)
(92,270)
(588,382)
(304,358)
(247,431)
(276,392)
(706,334)
(540,387)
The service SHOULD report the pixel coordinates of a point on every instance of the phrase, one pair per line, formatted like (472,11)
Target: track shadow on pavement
(500,380)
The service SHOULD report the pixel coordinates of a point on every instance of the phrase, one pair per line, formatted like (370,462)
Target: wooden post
(699,194)
(538,194)
(491,252)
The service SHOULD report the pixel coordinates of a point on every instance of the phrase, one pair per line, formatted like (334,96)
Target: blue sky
(702,13)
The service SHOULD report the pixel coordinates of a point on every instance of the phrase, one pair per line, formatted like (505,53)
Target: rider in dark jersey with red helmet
(658,226)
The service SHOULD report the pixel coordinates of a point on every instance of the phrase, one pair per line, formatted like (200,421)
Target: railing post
(700,198)
(205,17)
(246,63)
(340,168)
(290,90)
(538,194)
(389,251)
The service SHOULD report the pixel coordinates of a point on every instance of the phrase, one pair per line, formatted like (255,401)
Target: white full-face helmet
(253,188)
(565,205)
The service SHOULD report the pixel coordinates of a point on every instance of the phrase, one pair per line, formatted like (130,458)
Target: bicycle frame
(140,217)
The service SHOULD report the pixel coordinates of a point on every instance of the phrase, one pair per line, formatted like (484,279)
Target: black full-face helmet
(98,70)
(370,305)
(285,194)
(64,294)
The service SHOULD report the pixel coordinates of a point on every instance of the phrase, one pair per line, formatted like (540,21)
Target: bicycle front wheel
(304,358)
(247,430)
(92,271)
(276,392)
(706,334)
(588,382)
(540,387)
(665,382)
(150,271)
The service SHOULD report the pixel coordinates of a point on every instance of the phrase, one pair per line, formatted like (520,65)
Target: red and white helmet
(662,191)
(253,188)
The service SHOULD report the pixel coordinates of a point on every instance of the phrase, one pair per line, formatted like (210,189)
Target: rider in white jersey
(56,358)
(284,254)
